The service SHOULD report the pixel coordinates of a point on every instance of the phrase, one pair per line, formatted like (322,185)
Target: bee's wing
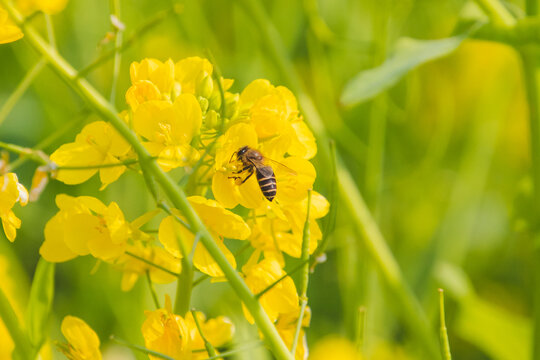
(279,167)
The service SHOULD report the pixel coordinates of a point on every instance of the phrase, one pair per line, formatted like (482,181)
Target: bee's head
(242,150)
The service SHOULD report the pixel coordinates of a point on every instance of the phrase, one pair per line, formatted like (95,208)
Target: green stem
(19,91)
(354,204)
(304,278)
(209,347)
(34,155)
(497,12)
(331,217)
(152,290)
(151,263)
(50,30)
(185,280)
(361,329)
(9,318)
(445,344)
(530,76)
(115,10)
(86,167)
(141,349)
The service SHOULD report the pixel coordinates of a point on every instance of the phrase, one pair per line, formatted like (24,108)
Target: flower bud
(205,87)
(212,119)
(215,101)
(231,105)
(203,102)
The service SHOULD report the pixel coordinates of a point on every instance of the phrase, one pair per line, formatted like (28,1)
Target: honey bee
(254,162)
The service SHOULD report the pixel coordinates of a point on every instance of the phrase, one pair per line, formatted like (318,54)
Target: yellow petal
(51,6)
(190,71)
(269,115)
(189,119)
(79,230)
(203,261)
(254,91)
(10,223)
(140,92)
(220,220)
(81,337)
(294,187)
(224,190)
(170,232)
(76,154)
(8,31)
(54,249)
(160,74)
(303,144)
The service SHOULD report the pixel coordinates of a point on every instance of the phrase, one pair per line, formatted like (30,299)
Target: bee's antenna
(234,153)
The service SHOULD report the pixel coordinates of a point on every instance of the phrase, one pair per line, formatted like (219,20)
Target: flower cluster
(186,117)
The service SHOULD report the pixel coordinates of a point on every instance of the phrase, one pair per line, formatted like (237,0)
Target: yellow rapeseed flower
(274,113)
(11,192)
(189,73)
(220,221)
(167,333)
(281,228)
(97,144)
(83,342)
(294,176)
(84,225)
(9,32)
(160,74)
(218,331)
(132,267)
(280,299)
(168,129)
(286,327)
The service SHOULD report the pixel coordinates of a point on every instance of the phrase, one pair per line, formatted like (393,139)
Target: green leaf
(409,54)
(498,332)
(40,302)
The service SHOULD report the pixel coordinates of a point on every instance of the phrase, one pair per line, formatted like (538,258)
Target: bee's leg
(245,168)
(251,171)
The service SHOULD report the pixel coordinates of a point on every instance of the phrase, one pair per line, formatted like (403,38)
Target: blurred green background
(441,158)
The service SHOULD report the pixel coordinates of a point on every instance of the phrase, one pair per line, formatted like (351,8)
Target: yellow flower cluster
(187,118)
(179,337)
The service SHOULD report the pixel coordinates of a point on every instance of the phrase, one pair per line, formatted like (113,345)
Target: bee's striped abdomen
(267,184)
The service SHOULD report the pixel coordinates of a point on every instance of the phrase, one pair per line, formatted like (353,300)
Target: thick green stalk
(351,197)
(530,75)
(184,285)
(8,316)
(176,195)
(531,78)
